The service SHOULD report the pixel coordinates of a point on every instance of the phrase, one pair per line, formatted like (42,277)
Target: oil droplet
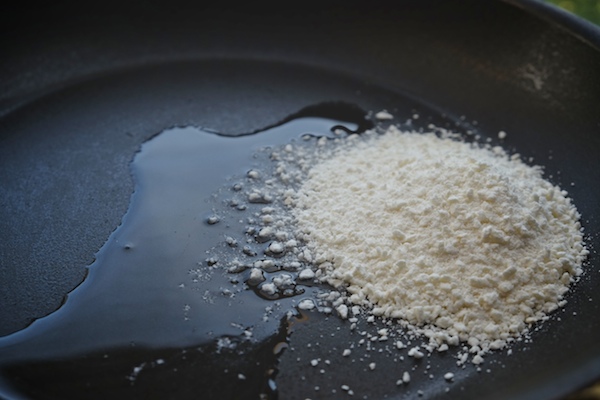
(279,348)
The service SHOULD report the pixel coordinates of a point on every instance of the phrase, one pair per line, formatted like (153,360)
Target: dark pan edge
(577,26)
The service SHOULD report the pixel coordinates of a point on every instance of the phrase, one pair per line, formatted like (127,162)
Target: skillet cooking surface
(83,91)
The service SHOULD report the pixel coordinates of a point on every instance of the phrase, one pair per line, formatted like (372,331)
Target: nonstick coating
(75,74)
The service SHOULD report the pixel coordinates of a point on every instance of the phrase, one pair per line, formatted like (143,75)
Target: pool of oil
(155,316)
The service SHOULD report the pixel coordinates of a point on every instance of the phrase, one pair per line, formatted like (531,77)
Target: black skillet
(84,85)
